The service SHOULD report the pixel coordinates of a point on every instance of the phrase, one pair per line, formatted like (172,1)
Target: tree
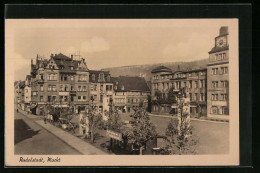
(114,120)
(179,137)
(142,129)
(94,120)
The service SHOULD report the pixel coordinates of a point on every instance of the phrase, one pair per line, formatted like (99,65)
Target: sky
(109,42)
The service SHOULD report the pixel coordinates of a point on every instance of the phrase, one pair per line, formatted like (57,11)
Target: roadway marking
(165,116)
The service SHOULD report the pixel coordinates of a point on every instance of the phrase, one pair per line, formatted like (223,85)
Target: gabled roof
(218,49)
(96,73)
(60,56)
(22,84)
(161,69)
(129,83)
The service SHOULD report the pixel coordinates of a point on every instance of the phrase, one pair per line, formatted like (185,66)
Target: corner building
(59,82)
(218,77)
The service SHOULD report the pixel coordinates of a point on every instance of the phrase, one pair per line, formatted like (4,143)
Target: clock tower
(218,77)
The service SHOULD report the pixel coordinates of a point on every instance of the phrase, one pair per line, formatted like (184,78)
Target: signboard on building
(115,135)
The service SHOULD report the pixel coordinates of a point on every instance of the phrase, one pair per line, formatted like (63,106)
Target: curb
(195,119)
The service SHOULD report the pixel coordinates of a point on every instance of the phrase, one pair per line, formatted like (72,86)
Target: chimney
(71,57)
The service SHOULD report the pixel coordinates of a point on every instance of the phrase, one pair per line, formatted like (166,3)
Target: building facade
(194,82)
(59,82)
(101,89)
(218,77)
(130,92)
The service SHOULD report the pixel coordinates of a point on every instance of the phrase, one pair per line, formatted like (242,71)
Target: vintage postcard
(121,92)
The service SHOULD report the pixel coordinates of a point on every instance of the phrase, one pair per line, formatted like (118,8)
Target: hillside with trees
(145,70)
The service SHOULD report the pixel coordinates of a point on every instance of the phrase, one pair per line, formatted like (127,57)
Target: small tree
(142,129)
(179,142)
(94,120)
(179,138)
(114,120)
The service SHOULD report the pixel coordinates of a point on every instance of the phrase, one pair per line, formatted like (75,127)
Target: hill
(145,70)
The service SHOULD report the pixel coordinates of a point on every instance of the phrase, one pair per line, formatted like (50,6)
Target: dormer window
(93,76)
(108,78)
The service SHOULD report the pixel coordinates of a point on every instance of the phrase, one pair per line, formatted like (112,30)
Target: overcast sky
(110,43)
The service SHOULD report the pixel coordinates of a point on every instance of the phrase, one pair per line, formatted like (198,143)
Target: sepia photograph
(121,92)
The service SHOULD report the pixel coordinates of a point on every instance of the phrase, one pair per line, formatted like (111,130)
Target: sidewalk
(194,119)
(73,141)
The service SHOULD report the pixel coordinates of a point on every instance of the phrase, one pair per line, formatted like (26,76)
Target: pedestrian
(45,119)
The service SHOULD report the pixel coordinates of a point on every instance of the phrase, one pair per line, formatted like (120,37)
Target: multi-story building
(218,78)
(101,89)
(194,81)
(59,82)
(129,92)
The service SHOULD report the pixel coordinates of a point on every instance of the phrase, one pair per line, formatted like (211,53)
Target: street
(213,136)
(32,139)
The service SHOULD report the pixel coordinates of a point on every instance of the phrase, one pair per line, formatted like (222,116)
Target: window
(224,110)
(65,98)
(95,87)
(101,76)
(196,84)
(72,98)
(71,67)
(190,96)
(201,83)
(224,97)
(196,96)
(79,97)
(214,97)
(214,84)
(224,70)
(214,110)
(52,88)
(93,76)
(41,87)
(49,98)
(61,87)
(84,97)
(224,84)
(84,88)
(101,98)
(72,88)
(101,87)
(66,88)
(108,78)
(54,98)
(41,98)
(201,97)
(190,84)
(214,71)
(72,78)
(79,88)
(108,87)
(65,78)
